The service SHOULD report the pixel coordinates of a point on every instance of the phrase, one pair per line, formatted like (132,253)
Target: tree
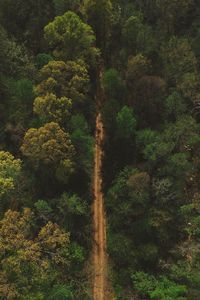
(137,67)
(64,79)
(63,86)
(181,136)
(178,59)
(42,59)
(188,87)
(51,108)
(175,105)
(70,38)
(145,92)
(161,288)
(137,37)
(50,147)
(72,213)
(9,172)
(126,123)
(83,143)
(187,267)
(19,101)
(99,14)
(14,57)
(32,264)
(113,84)
(127,205)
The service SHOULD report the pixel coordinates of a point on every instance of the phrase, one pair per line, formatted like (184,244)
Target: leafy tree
(31,264)
(14,57)
(127,206)
(61,292)
(113,84)
(161,288)
(148,69)
(63,86)
(49,146)
(175,105)
(126,123)
(9,172)
(99,15)
(62,79)
(42,59)
(178,59)
(70,38)
(71,213)
(51,108)
(15,110)
(137,37)
(181,136)
(83,143)
(188,87)
(43,208)
(145,92)
(137,67)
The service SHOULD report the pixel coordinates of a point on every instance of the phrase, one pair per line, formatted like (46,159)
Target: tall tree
(49,147)
(9,171)
(31,264)
(99,14)
(70,38)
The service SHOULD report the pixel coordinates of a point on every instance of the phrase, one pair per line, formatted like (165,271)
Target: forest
(99,105)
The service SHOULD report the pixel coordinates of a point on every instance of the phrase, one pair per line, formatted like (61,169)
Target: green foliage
(72,212)
(14,57)
(145,92)
(70,38)
(9,172)
(51,108)
(175,105)
(148,66)
(31,265)
(68,79)
(126,123)
(137,37)
(143,282)
(127,203)
(113,84)
(19,100)
(179,136)
(63,86)
(75,205)
(161,288)
(99,15)
(137,67)
(178,59)
(61,292)
(83,143)
(42,207)
(49,146)
(42,59)
(24,90)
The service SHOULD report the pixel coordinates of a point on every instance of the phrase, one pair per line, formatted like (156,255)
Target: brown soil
(99,247)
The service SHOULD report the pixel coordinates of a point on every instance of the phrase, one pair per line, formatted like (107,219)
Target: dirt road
(99,247)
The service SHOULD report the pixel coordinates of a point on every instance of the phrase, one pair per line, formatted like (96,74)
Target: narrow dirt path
(99,219)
